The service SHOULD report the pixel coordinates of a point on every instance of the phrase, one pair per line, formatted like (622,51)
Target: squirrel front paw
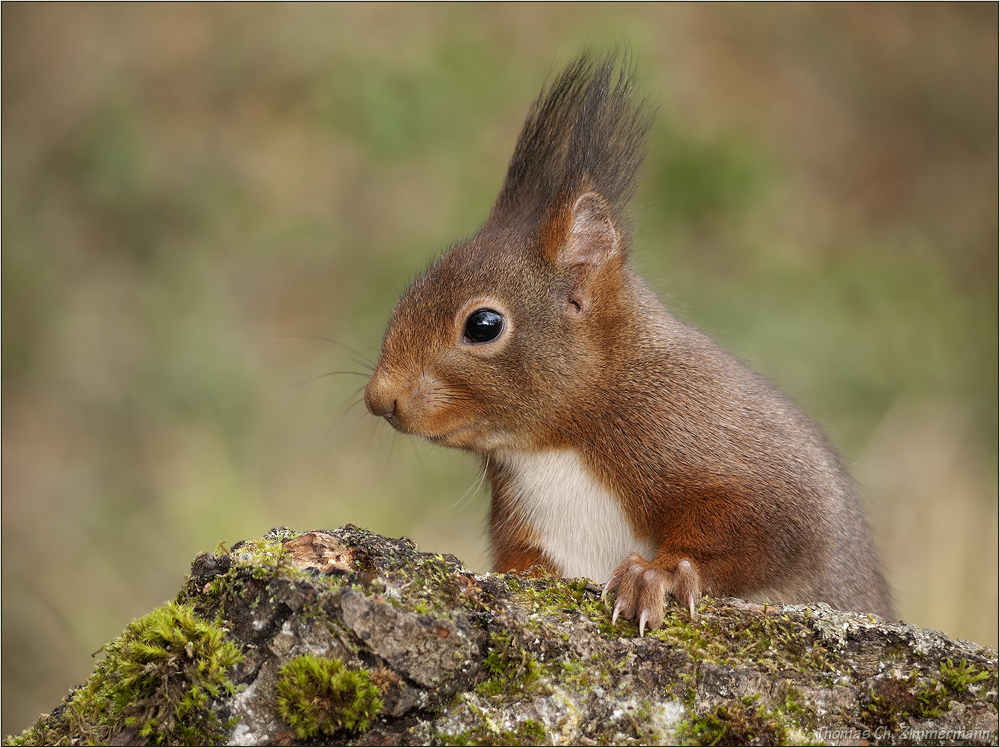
(642,588)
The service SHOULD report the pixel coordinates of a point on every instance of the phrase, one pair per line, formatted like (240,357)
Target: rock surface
(418,650)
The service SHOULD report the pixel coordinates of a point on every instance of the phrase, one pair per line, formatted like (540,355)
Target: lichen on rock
(347,637)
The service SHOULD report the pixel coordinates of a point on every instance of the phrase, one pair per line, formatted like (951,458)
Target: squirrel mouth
(441,438)
(448,436)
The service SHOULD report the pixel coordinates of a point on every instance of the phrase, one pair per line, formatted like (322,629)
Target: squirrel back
(620,443)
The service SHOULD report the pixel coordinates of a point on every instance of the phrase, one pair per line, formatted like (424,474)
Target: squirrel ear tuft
(592,237)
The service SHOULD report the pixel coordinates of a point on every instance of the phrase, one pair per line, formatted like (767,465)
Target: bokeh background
(203,203)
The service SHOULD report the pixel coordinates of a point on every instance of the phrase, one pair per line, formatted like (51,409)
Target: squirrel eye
(483,325)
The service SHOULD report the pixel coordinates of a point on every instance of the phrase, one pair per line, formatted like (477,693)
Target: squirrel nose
(387,412)
(378,400)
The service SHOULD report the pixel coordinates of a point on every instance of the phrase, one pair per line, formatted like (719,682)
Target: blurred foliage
(203,204)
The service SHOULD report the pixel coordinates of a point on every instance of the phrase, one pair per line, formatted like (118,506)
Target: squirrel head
(493,346)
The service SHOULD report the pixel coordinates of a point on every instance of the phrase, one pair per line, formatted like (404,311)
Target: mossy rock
(156,686)
(346,637)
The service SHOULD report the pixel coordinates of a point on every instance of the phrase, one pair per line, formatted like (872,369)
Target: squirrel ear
(592,237)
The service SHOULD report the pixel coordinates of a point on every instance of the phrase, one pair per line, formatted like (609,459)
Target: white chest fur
(579,524)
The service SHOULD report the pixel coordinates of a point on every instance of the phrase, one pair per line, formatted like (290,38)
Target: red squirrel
(620,443)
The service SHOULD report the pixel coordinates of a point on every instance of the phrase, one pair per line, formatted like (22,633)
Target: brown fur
(738,492)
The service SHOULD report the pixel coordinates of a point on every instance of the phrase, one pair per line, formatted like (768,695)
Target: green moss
(740,723)
(534,731)
(697,637)
(726,637)
(896,651)
(245,573)
(717,634)
(722,636)
(157,681)
(528,732)
(265,556)
(320,696)
(892,700)
(548,596)
(796,711)
(513,669)
(933,700)
(433,587)
(959,677)
(747,722)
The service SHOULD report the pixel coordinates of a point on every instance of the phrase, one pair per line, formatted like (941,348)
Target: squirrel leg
(520,558)
(642,588)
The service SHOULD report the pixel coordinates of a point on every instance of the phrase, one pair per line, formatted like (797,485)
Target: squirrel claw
(609,586)
(642,587)
(617,610)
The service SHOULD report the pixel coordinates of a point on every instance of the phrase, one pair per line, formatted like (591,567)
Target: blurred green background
(197,199)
